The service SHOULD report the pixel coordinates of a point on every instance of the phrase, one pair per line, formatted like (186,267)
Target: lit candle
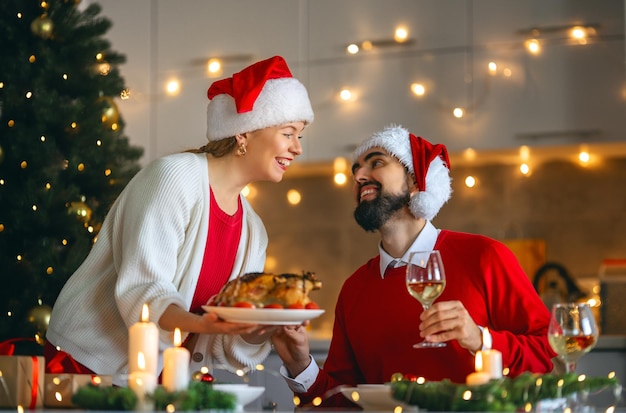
(142,383)
(492,363)
(490,359)
(143,354)
(479,376)
(176,365)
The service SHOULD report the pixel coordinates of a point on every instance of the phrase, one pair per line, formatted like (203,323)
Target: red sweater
(376,320)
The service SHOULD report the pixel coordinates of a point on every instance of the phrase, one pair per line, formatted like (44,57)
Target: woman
(180,230)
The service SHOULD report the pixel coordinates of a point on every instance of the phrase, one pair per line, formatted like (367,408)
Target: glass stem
(570,366)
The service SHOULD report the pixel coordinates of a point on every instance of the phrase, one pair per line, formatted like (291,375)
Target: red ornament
(410,377)
(207,378)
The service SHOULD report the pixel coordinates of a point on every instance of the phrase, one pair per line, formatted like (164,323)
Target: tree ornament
(81,210)
(110,114)
(397,377)
(42,26)
(202,377)
(39,317)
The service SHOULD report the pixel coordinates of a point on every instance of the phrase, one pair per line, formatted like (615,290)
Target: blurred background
(529,97)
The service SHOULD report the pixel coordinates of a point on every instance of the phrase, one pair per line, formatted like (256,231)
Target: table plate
(266,316)
(374,397)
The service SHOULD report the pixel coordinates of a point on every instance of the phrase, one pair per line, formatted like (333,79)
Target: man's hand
(449,320)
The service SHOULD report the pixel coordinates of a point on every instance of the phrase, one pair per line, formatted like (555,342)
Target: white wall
(562,93)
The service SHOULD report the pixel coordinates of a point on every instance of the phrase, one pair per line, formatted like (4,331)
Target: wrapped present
(21,381)
(60,387)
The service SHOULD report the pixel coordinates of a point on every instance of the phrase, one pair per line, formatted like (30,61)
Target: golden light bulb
(470,181)
(352,48)
(293,197)
(458,113)
(418,89)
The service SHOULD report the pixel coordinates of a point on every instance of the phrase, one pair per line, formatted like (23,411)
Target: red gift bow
(7,348)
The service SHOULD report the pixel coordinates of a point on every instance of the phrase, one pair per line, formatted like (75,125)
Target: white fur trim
(281,101)
(395,140)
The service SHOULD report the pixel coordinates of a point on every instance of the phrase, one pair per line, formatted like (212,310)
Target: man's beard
(371,215)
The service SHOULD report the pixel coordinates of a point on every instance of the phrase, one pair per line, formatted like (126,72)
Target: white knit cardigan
(150,250)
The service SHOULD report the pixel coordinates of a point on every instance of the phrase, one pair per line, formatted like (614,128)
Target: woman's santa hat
(261,95)
(427,162)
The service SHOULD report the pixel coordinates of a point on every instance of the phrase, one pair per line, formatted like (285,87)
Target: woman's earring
(241,149)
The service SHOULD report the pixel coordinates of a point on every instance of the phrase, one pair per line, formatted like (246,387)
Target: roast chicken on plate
(267,290)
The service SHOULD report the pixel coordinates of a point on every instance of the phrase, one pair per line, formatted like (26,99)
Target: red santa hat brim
(427,162)
(261,95)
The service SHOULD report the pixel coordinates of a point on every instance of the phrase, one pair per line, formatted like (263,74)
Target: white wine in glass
(572,332)
(425,281)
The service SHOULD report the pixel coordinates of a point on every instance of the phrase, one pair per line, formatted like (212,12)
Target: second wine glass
(425,281)
(572,332)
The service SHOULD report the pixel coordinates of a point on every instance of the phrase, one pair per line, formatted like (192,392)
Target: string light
(458,113)
(172,87)
(470,181)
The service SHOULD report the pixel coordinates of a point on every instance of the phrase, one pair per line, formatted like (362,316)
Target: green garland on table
(504,395)
(198,396)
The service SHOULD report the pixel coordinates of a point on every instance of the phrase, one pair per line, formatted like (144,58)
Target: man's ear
(412,183)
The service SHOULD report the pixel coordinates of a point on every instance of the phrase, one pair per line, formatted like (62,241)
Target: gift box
(59,388)
(21,381)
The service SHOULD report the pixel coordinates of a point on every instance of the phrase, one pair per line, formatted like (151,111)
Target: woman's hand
(291,343)
(449,320)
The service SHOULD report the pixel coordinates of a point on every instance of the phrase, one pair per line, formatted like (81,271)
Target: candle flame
(177,337)
(145,314)
(141,361)
(478,361)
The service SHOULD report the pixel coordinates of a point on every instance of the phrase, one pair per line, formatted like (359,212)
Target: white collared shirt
(425,241)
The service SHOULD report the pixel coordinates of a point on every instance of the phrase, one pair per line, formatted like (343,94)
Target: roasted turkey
(269,290)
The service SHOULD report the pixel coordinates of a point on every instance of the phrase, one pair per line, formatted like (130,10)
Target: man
(400,183)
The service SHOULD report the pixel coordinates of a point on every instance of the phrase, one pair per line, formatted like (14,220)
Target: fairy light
(458,113)
(470,181)
(345,94)
(214,67)
(493,68)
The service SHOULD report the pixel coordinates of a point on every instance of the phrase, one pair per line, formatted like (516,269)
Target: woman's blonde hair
(218,148)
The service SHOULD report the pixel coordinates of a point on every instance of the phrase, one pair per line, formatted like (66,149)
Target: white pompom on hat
(429,164)
(263,94)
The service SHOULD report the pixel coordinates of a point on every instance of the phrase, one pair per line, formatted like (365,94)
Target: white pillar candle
(143,337)
(176,365)
(142,383)
(491,363)
(477,378)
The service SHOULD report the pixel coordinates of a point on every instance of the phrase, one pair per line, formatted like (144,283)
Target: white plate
(374,397)
(266,316)
(244,393)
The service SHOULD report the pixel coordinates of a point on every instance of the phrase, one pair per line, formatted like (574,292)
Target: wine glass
(572,332)
(425,281)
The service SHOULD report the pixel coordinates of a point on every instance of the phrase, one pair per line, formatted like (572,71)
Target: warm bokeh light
(341,178)
(458,113)
(524,152)
(173,87)
(470,181)
(294,197)
(584,156)
(533,46)
(214,67)
(418,89)
(401,34)
(345,94)
(493,68)
(352,48)
(524,169)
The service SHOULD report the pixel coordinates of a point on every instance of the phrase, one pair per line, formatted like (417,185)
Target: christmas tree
(63,155)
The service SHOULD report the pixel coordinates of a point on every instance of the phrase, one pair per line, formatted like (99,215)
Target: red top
(219,253)
(376,320)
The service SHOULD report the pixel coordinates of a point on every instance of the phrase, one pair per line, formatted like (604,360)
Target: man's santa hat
(427,162)
(261,95)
